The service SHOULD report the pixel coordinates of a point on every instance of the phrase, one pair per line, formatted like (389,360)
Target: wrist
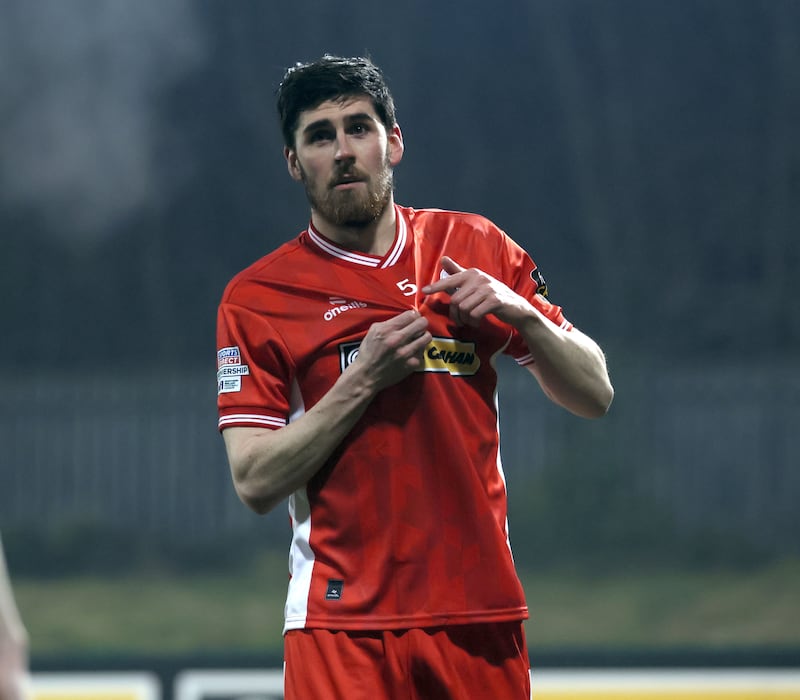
(357,384)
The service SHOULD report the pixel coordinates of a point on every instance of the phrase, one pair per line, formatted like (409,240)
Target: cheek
(379,159)
(309,171)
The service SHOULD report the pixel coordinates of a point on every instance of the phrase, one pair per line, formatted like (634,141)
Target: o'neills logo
(450,355)
(339,306)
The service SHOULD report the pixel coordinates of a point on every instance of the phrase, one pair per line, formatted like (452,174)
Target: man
(13,640)
(356,378)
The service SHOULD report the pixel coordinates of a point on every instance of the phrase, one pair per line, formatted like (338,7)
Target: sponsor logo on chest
(457,357)
(450,355)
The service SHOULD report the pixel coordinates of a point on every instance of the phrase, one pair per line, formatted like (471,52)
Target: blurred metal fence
(715,446)
(138,450)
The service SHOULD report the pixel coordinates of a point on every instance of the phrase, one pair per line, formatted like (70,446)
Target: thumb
(450,266)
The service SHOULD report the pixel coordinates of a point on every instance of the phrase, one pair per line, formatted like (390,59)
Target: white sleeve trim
(239,418)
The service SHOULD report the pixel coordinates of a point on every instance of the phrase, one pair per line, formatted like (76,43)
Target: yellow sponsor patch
(450,355)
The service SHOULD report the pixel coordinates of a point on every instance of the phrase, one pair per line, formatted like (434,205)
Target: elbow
(599,403)
(255,499)
(591,403)
(260,506)
(256,492)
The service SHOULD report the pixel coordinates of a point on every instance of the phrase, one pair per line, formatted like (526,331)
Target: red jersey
(405,525)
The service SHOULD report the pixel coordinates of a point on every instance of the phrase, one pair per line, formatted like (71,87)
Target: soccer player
(356,376)
(13,640)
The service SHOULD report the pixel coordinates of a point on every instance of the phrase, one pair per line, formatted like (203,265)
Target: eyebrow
(349,119)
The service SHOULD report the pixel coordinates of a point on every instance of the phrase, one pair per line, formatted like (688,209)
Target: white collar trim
(389,260)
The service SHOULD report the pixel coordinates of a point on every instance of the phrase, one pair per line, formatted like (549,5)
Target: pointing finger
(450,266)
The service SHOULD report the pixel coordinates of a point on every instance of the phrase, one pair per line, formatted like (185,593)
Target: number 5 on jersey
(408,288)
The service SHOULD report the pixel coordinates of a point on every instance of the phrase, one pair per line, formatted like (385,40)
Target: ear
(292,164)
(395,145)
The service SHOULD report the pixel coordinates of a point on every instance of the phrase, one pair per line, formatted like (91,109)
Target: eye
(320,136)
(358,129)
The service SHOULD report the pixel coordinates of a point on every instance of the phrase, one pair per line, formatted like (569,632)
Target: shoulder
(449,218)
(466,229)
(261,272)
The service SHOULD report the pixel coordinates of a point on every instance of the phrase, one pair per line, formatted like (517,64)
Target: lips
(347,180)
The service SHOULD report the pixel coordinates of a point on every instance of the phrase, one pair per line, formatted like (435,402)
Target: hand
(393,349)
(473,294)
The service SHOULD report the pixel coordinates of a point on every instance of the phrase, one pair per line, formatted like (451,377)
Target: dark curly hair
(307,85)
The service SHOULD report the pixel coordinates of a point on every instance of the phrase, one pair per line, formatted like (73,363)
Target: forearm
(269,465)
(569,366)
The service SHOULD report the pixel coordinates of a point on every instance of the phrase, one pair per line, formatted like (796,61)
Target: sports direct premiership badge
(230,370)
(229,356)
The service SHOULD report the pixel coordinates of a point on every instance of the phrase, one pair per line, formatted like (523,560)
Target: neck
(373,238)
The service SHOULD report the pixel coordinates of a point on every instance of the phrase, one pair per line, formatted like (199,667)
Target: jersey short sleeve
(253,370)
(527,280)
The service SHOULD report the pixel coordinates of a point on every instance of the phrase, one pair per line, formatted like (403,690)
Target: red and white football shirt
(405,525)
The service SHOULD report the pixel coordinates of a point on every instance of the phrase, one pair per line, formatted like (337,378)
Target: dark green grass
(156,612)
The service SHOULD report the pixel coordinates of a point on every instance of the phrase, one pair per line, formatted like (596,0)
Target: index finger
(447,284)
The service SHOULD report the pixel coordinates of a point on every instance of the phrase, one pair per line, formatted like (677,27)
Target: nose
(343,148)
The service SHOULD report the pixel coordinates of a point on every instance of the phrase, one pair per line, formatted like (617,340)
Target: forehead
(337,110)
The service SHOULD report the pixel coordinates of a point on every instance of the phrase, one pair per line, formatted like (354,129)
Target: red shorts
(477,662)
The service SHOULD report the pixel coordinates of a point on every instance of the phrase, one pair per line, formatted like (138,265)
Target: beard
(356,207)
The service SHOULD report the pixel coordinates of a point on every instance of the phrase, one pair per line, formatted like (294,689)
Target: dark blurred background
(646,154)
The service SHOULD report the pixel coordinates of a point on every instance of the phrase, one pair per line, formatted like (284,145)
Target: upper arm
(574,375)
(246,448)
(240,445)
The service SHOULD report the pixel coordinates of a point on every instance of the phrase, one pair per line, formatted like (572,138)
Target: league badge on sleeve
(538,280)
(230,370)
